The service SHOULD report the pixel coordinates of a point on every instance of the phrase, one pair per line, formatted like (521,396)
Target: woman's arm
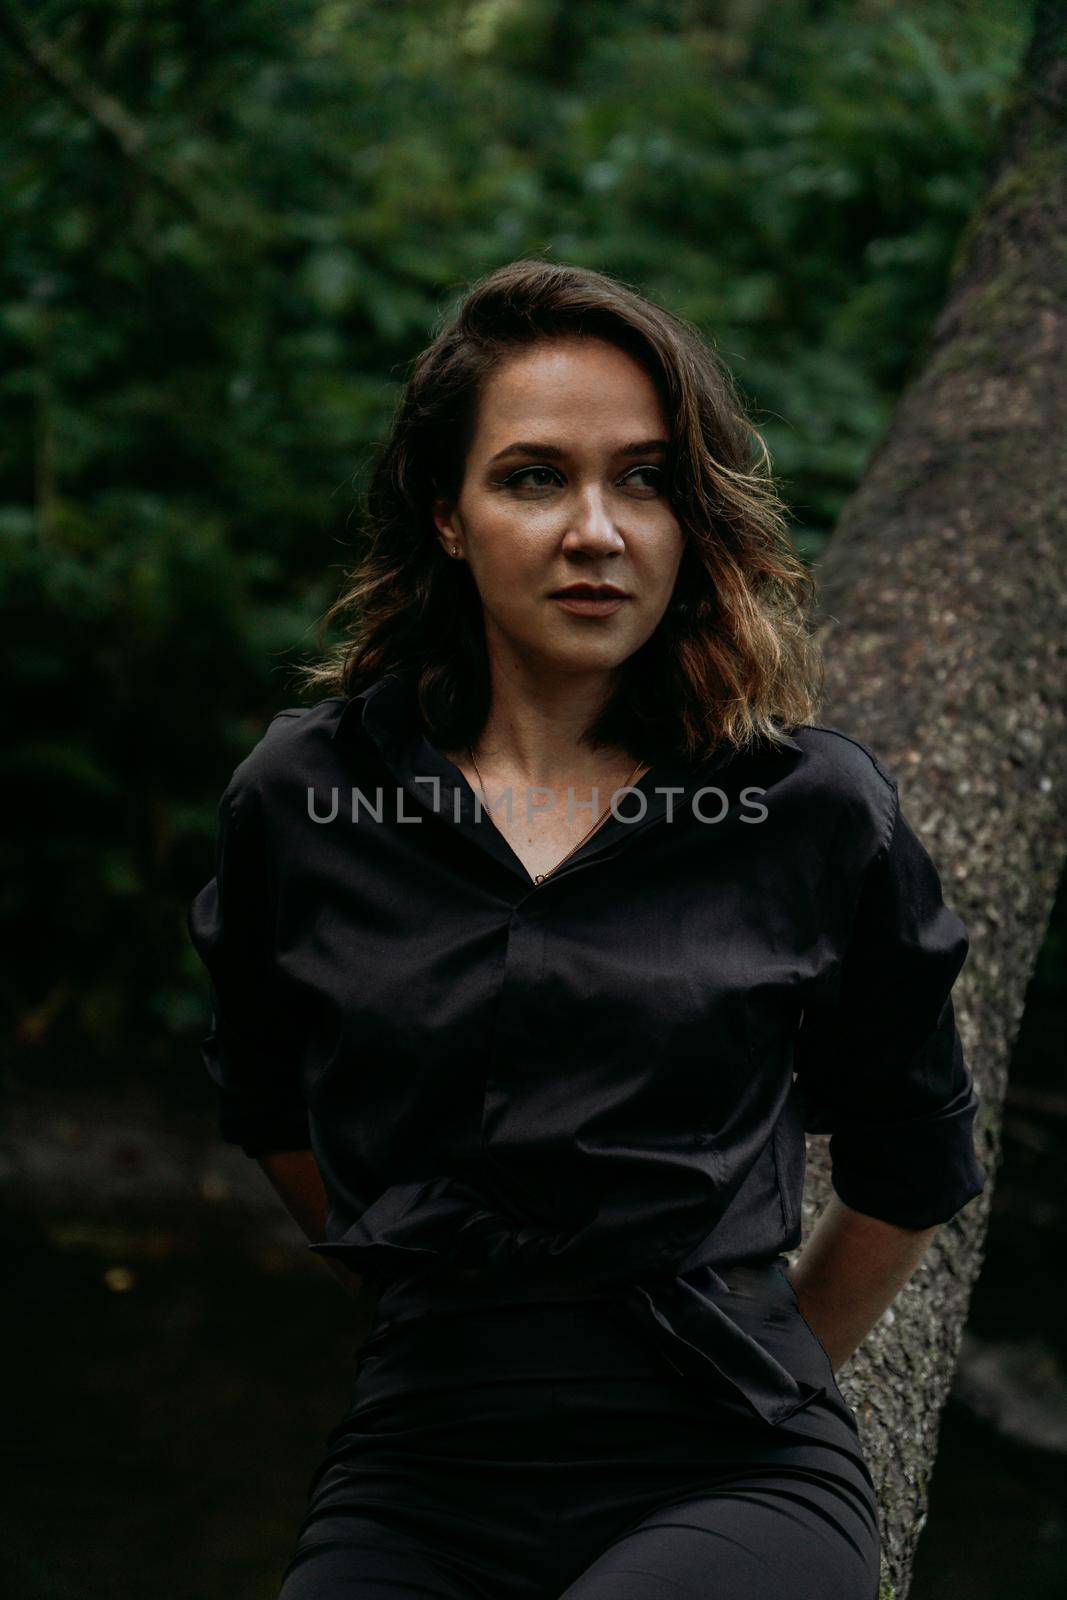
(296,1177)
(881,1069)
(851,1268)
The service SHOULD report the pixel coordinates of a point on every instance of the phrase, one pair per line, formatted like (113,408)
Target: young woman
(536,943)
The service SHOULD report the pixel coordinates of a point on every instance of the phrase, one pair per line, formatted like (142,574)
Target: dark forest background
(227,231)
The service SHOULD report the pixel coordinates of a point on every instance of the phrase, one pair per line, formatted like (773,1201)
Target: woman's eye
(527,478)
(655,474)
(514,478)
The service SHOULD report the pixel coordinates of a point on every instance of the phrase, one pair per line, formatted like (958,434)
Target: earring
(455,550)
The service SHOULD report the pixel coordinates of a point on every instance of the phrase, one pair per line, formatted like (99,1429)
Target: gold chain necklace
(541,876)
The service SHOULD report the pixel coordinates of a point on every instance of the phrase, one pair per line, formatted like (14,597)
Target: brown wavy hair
(733,656)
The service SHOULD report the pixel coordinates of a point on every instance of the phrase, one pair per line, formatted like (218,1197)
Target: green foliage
(228,230)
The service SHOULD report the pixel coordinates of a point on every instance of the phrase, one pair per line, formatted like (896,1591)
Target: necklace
(541,876)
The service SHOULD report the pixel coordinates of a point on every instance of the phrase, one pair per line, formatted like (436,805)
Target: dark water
(161,1428)
(998,1519)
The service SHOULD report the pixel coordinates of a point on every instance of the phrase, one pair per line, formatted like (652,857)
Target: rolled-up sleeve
(878,1056)
(253,1050)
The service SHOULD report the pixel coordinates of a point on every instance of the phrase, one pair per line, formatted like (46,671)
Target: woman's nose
(593,524)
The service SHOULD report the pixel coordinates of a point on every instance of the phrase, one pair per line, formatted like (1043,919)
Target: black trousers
(526,1451)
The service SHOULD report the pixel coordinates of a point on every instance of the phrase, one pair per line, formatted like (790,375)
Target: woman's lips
(586,606)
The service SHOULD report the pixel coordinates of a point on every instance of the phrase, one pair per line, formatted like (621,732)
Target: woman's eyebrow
(555,452)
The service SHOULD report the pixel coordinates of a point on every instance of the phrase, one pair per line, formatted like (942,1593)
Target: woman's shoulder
(841,770)
(294,750)
(837,752)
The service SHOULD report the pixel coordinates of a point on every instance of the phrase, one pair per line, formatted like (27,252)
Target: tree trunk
(943,599)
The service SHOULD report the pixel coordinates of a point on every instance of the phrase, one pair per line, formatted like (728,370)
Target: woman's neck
(533,733)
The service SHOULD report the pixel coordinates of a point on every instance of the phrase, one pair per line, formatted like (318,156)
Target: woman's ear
(449,527)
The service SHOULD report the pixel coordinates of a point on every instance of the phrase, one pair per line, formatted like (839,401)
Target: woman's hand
(296,1177)
(851,1268)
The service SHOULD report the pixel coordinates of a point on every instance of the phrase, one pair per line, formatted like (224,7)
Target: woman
(536,943)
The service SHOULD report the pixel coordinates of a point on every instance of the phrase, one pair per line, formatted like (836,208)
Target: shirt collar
(388,710)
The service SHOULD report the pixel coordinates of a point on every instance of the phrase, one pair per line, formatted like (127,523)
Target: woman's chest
(669,950)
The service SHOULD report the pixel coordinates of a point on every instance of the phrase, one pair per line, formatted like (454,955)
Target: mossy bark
(943,602)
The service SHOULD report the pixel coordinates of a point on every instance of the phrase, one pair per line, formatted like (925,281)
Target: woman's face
(563,485)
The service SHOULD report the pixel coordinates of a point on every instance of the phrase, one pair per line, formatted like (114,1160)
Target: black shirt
(605,1076)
